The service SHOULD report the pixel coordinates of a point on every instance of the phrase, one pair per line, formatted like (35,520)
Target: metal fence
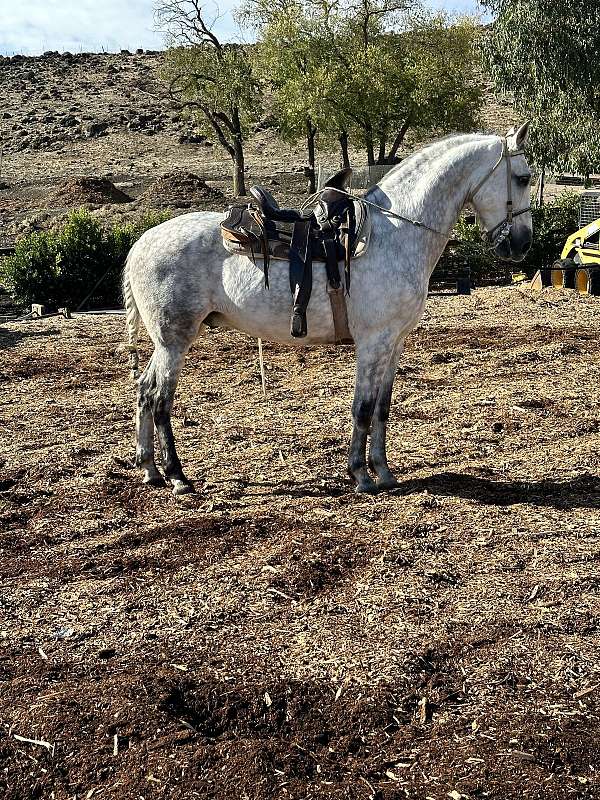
(362,177)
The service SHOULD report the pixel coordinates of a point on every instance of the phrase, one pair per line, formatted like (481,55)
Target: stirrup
(298,327)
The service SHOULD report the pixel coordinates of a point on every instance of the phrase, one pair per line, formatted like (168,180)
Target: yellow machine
(579,263)
(583,246)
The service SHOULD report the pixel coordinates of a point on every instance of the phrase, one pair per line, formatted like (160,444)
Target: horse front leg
(373,356)
(377,450)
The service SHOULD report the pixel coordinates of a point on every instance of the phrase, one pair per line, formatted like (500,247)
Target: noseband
(502,230)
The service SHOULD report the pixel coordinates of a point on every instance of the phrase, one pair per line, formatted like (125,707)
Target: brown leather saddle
(334,231)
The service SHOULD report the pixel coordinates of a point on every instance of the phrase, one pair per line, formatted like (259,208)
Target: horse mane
(423,155)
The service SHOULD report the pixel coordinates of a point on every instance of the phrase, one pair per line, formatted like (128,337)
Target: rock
(192,138)
(95,130)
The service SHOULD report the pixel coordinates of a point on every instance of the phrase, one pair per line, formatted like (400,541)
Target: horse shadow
(582,491)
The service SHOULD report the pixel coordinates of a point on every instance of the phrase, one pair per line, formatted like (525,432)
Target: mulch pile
(81,191)
(180,190)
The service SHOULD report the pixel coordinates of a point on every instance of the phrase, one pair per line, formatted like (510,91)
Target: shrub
(61,268)
(552,224)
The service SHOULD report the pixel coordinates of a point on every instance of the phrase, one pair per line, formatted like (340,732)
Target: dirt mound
(180,190)
(79,191)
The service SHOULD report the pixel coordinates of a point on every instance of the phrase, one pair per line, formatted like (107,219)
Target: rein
(386,211)
(503,227)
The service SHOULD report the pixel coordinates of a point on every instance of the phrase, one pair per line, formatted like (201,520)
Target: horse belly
(266,313)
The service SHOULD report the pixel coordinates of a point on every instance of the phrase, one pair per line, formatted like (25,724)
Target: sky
(33,26)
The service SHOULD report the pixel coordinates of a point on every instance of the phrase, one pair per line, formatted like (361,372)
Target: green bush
(61,268)
(552,224)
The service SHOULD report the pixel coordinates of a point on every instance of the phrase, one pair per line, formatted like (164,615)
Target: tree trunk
(369,145)
(343,137)
(398,141)
(540,188)
(311,132)
(239,183)
(382,145)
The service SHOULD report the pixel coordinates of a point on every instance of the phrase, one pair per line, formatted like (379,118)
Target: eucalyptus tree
(545,54)
(210,78)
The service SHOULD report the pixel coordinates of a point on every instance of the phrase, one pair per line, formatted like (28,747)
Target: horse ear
(521,135)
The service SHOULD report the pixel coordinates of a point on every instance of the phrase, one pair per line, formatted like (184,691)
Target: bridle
(502,230)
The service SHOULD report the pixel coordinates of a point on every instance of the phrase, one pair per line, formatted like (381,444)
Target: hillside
(101,115)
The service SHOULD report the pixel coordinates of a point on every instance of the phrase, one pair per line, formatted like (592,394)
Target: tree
(288,56)
(389,71)
(544,53)
(212,79)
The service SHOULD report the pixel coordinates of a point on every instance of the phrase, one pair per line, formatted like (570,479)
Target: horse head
(502,198)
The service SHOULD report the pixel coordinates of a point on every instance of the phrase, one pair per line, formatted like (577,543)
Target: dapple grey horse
(179,276)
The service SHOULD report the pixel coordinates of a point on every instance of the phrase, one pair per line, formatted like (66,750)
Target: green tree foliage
(366,69)
(289,58)
(212,79)
(61,268)
(545,53)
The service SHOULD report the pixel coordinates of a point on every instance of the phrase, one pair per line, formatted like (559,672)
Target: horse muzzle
(514,246)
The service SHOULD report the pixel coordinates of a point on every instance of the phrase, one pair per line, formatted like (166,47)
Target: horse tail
(133,323)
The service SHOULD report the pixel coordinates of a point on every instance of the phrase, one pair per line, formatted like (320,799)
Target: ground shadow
(12,338)
(582,491)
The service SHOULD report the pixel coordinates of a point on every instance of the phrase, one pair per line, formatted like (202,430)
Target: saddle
(336,230)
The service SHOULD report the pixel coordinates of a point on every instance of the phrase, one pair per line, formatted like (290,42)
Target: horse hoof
(154,480)
(181,487)
(366,488)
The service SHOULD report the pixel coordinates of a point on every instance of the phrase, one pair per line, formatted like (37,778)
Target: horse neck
(433,186)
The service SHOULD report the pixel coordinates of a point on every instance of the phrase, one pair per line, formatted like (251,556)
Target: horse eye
(524,180)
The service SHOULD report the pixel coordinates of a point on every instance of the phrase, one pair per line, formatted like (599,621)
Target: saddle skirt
(334,232)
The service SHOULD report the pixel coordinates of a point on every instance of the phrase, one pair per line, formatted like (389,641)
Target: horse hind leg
(167,363)
(144,426)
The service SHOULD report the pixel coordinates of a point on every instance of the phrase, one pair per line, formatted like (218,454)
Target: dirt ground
(274,635)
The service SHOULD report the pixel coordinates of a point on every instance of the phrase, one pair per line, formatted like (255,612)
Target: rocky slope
(105,116)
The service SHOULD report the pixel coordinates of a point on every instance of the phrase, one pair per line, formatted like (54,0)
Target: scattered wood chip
(42,654)
(534,593)
(584,692)
(523,755)
(268,701)
(115,745)
(180,667)
(38,742)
